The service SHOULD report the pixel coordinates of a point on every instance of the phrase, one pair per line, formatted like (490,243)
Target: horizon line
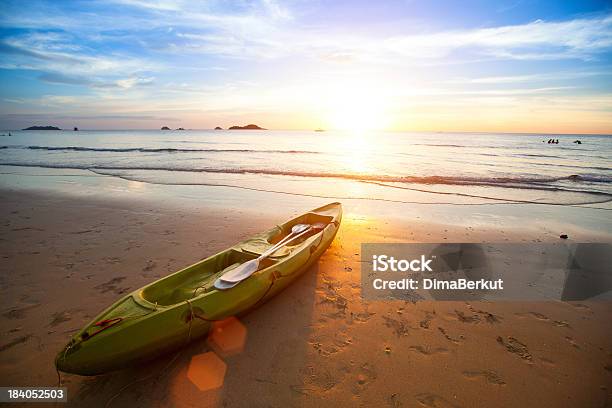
(324,130)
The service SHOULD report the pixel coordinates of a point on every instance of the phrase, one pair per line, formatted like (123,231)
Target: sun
(356,109)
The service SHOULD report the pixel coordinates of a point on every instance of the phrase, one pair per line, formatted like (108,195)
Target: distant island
(180,129)
(165,128)
(42,128)
(218,128)
(247,127)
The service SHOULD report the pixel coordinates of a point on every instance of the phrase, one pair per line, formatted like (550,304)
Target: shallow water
(462,168)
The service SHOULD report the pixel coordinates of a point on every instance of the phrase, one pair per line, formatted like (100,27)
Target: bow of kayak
(172,311)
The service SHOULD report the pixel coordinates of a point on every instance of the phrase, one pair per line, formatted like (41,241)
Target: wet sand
(64,259)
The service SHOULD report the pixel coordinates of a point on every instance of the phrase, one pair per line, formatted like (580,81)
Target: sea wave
(511,182)
(153,150)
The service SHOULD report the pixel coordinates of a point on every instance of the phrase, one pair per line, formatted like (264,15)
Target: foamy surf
(479,168)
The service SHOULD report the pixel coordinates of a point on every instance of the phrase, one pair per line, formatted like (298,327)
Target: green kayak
(168,313)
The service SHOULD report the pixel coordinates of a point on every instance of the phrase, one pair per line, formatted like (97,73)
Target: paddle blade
(222,285)
(242,272)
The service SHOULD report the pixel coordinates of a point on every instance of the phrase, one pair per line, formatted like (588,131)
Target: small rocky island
(218,128)
(42,128)
(165,128)
(247,127)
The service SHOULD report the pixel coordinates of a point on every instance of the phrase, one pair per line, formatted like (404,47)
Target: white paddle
(237,275)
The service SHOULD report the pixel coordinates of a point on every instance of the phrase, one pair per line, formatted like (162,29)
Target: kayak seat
(308,218)
(261,243)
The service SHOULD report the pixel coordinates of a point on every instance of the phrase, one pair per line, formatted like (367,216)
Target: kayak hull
(171,312)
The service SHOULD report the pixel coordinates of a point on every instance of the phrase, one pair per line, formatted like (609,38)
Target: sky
(414,65)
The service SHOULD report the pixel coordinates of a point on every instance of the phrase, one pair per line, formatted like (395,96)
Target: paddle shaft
(282,242)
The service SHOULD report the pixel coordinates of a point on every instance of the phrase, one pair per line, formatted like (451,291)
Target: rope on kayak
(163,370)
(193,314)
(273,279)
(197,316)
(59,377)
(190,320)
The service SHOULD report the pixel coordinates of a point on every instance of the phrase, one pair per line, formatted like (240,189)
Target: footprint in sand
(547,362)
(427,320)
(111,285)
(400,327)
(336,300)
(342,340)
(539,316)
(394,401)
(544,318)
(434,401)
(516,347)
(362,317)
(467,319)
(61,317)
(365,376)
(15,342)
(488,316)
(428,351)
(449,338)
(13,330)
(489,375)
(579,306)
(572,342)
(315,380)
(325,349)
(19,312)
(149,266)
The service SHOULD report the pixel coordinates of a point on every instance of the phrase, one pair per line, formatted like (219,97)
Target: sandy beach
(278,204)
(68,256)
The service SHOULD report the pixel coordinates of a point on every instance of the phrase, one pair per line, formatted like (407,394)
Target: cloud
(578,38)
(219,56)
(133,81)
(548,77)
(267,30)
(57,78)
(8,49)
(253,35)
(126,83)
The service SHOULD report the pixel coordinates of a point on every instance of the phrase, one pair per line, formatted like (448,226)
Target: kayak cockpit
(199,278)
(194,280)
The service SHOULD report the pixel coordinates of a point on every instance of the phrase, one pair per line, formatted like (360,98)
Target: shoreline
(586,223)
(456,188)
(70,256)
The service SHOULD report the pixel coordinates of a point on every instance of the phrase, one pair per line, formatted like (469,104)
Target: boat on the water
(170,312)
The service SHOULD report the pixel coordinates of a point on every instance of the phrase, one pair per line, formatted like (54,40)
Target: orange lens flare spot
(228,336)
(207,371)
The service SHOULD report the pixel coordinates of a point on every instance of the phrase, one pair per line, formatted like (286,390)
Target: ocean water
(462,168)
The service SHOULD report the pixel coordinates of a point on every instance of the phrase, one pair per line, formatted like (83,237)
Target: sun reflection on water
(354,153)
